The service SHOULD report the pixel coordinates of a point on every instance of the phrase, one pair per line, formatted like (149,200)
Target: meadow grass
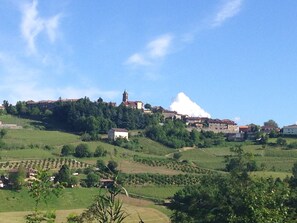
(155,192)
(268,174)
(148,214)
(26,123)
(25,137)
(69,199)
(15,205)
(204,158)
(24,154)
(151,147)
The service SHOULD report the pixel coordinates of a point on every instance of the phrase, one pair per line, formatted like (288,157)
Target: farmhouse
(290,130)
(115,133)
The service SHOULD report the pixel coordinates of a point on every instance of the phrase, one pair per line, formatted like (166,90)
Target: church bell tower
(125,96)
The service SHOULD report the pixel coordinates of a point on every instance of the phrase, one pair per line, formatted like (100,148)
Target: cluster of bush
(127,144)
(82,150)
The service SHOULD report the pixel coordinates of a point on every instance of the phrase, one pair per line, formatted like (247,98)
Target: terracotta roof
(294,125)
(119,130)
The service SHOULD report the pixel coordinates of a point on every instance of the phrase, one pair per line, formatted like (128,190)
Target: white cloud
(160,46)
(153,52)
(228,10)
(137,59)
(184,105)
(32,25)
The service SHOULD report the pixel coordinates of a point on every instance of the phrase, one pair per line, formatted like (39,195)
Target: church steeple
(125,96)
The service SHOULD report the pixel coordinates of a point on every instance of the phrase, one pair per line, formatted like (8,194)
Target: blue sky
(235,58)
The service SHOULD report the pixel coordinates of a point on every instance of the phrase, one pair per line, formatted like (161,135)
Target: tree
(147,106)
(3,132)
(63,176)
(177,155)
(82,150)
(106,208)
(92,179)
(101,165)
(67,150)
(17,178)
(41,189)
(99,152)
(240,163)
(294,170)
(281,141)
(112,166)
(271,124)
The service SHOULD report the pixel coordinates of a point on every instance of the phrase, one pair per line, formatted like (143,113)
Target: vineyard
(50,163)
(159,179)
(172,164)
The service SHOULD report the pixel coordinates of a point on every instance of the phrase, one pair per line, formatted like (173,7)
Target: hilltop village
(228,127)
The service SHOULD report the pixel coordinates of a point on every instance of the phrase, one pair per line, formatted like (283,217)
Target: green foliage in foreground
(237,198)
(226,200)
(106,208)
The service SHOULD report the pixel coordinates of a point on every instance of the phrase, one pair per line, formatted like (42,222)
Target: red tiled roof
(119,130)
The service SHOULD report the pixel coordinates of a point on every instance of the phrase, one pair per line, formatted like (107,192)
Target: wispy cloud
(159,47)
(32,25)
(153,52)
(137,59)
(21,82)
(227,11)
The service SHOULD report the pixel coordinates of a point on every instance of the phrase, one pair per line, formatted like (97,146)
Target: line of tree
(85,115)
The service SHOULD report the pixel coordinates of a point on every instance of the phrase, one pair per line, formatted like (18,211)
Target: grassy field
(154,192)
(25,123)
(39,137)
(274,159)
(24,154)
(151,147)
(15,205)
(147,214)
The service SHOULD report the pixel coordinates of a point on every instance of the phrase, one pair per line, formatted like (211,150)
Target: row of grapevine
(159,179)
(50,163)
(172,164)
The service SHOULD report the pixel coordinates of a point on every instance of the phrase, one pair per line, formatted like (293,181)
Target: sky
(233,59)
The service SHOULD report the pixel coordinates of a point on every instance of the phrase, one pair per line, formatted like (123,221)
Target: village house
(244,129)
(166,113)
(225,126)
(214,125)
(115,133)
(290,130)
(131,104)
(47,104)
